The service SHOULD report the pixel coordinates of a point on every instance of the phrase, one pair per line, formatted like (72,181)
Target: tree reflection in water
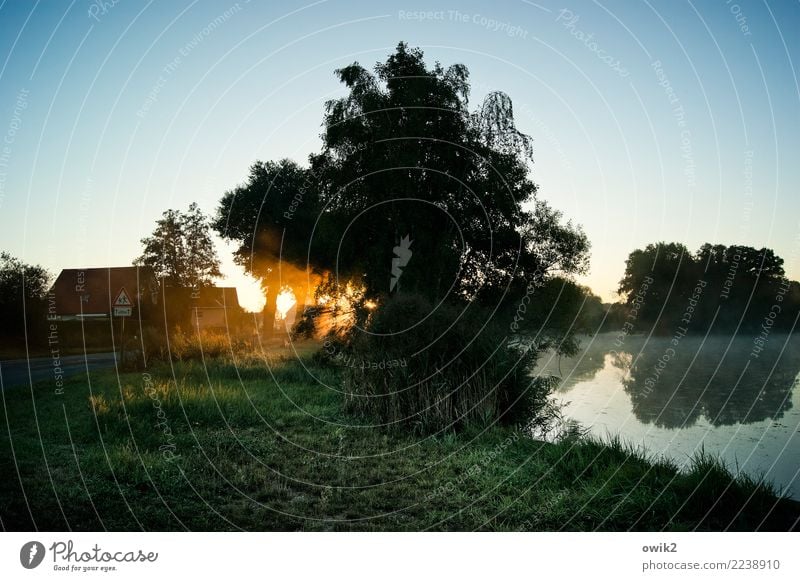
(672,386)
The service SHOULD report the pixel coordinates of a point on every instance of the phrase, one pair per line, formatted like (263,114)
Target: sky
(654,120)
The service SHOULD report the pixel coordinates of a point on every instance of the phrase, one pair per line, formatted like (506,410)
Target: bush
(306,325)
(154,344)
(440,368)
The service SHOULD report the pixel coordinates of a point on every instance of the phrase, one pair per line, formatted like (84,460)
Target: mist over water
(714,393)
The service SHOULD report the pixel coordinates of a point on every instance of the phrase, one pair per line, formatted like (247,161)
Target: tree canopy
(727,287)
(181,250)
(405,164)
(420,213)
(22,290)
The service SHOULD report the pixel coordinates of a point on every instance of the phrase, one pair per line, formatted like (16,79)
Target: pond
(676,397)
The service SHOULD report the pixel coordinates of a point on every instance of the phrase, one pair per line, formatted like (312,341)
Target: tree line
(716,289)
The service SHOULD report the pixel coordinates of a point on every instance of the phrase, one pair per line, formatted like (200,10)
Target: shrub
(440,368)
(154,344)
(306,325)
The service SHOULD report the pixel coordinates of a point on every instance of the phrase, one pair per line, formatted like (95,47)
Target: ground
(263,444)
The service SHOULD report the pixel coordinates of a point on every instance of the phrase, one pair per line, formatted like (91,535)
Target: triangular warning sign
(122,300)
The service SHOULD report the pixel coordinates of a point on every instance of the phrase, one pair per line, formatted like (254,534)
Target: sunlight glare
(284,302)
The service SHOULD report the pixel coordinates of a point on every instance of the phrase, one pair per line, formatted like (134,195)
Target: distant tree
(23,288)
(656,280)
(719,263)
(558,310)
(737,286)
(181,250)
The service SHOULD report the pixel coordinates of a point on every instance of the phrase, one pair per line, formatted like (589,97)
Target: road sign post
(123,299)
(122,307)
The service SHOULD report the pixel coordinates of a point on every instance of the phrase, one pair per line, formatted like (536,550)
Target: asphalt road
(18,372)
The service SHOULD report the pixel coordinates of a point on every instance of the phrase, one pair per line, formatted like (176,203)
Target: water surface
(676,397)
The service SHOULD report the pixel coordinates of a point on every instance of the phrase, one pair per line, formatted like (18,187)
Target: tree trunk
(268,313)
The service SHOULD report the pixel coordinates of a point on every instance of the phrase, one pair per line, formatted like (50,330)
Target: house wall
(208,318)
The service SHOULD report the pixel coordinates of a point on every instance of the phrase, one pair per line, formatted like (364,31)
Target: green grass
(260,446)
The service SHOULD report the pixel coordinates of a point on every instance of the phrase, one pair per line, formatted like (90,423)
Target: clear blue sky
(111,113)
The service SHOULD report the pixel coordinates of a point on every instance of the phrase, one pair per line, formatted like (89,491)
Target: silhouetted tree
(181,250)
(423,214)
(729,287)
(558,310)
(404,159)
(272,217)
(659,277)
(23,288)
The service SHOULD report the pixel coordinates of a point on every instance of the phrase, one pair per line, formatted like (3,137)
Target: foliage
(181,250)
(727,287)
(404,158)
(552,313)
(415,200)
(272,217)
(23,288)
(441,368)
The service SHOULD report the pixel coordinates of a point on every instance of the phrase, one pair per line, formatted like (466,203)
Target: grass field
(264,445)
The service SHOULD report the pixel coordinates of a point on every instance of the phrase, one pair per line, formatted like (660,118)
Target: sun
(284,302)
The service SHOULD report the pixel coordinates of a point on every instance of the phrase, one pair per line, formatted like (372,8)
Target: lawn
(263,444)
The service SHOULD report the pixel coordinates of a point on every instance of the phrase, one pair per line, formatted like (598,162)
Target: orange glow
(284,302)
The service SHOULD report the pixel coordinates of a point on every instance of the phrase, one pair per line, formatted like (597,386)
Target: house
(133,291)
(206,307)
(215,307)
(98,293)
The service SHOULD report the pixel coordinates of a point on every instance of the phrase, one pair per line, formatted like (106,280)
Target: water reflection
(711,393)
(719,379)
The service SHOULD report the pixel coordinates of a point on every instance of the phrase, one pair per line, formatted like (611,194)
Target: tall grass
(188,345)
(433,369)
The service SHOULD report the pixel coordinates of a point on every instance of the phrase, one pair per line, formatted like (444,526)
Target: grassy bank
(266,446)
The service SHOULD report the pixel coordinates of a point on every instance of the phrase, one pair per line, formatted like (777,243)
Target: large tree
(404,159)
(271,217)
(421,213)
(181,250)
(412,192)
